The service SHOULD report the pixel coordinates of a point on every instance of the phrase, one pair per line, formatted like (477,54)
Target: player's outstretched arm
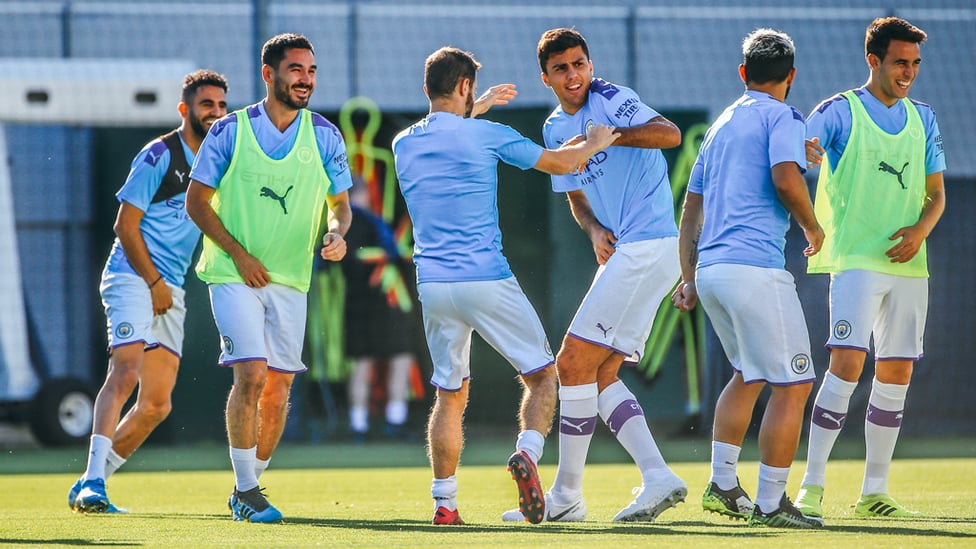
(569,158)
(499,94)
(793,193)
(656,133)
(202,213)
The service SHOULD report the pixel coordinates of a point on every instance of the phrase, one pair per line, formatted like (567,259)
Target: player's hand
(603,243)
(333,247)
(911,242)
(685,296)
(814,152)
(496,95)
(601,136)
(253,272)
(815,238)
(162,297)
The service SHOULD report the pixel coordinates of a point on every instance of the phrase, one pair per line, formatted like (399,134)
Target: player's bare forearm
(133,244)
(340,213)
(602,239)
(689,233)
(792,191)
(656,133)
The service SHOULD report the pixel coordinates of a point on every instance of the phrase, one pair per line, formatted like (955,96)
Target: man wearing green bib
(879,195)
(257,191)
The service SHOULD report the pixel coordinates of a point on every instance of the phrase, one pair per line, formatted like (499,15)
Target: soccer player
(258,189)
(446,165)
(622,199)
(746,182)
(142,290)
(879,196)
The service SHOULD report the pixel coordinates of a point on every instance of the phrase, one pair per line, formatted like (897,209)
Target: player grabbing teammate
(447,168)
(622,199)
(258,188)
(879,196)
(142,290)
(743,187)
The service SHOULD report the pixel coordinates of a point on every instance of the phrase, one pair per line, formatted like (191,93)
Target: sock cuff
(889,390)
(531,442)
(838,386)
(578,392)
(244,453)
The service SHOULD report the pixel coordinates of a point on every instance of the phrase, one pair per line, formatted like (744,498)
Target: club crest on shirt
(228,344)
(124,331)
(305,155)
(800,364)
(842,329)
(590,124)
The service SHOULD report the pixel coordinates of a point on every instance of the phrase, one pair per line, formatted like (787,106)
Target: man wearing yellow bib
(879,195)
(257,191)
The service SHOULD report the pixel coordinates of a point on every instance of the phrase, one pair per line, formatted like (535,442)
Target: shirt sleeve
(511,146)
(621,106)
(696,181)
(786,138)
(831,123)
(145,175)
(215,152)
(334,159)
(934,154)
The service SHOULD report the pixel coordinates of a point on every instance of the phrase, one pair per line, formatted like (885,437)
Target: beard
(282,94)
(197,126)
(469,104)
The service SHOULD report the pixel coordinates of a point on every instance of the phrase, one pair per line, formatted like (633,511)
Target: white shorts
(260,324)
(129,312)
(501,314)
(756,313)
(618,310)
(893,308)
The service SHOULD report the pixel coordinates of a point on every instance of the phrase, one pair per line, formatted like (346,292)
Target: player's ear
(182,108)
(545,79)
(742,73)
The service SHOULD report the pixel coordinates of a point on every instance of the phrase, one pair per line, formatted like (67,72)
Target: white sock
(531,442)
(444,492)
(624,417)
(578,411)
(112,462)
(772,486)
(886,406)
(396,412)
(244,460)
(828,417)
(359,419)
(260,466)
(99,448)
(725,461)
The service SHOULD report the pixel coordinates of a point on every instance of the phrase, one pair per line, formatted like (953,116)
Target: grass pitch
(391,507)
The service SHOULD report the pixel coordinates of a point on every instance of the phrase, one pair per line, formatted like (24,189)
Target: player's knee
(156,411)
(122,378)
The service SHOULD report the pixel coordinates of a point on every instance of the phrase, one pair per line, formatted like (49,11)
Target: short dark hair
(274,49)
(445,68)
(883,30)
(767,55)
(555,41)
(196,79)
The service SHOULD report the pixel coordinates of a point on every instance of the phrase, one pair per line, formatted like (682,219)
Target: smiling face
(293,80)
(208,105)
(892,77)
(568,73)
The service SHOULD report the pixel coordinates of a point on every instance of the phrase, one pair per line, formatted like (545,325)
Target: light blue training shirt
(167,230)
(831,122)
(745,222)
(447,166)
(627,187)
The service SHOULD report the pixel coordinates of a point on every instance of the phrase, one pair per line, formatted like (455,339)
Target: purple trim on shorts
(163,347)
(624,411)
(598,344)
(832,421)
(886,358)
(229,363)
(280,371)
(582,426)
(884,418)
(113,347)
(439,388)
(773,383)
(539,369)
(852,347)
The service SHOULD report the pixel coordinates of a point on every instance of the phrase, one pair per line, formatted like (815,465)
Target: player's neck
(190,137)
(281,115)
(448,104)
